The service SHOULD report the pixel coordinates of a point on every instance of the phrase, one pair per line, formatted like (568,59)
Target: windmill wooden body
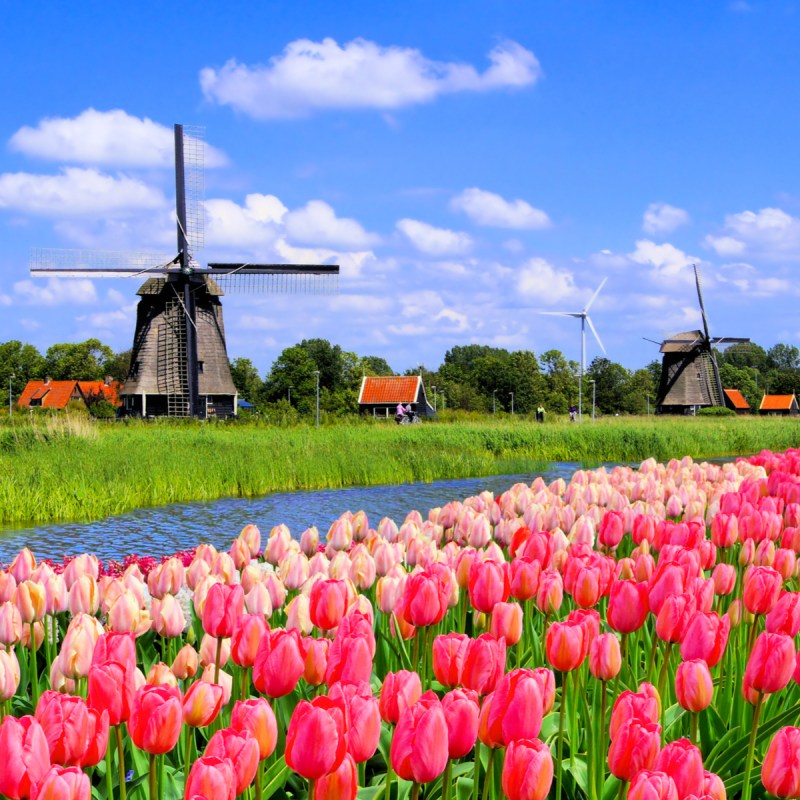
(689,373)
(179,361)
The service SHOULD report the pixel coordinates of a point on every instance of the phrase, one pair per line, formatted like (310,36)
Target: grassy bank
(74,470)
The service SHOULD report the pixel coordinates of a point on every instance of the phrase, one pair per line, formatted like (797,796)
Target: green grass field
(59,468)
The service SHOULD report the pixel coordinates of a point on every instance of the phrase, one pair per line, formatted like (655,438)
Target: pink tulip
(419,749)
(26,756)
(241,747)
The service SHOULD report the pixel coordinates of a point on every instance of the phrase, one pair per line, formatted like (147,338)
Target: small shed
(782,405)
(57,394)
(734,400)
(379,396)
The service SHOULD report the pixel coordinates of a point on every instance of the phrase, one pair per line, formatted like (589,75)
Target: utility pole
(512,401)
(316,372)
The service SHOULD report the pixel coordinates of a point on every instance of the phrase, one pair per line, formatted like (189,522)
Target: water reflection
(167,529)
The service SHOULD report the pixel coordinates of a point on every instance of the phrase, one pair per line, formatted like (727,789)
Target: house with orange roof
(58,394)
(782,405)
(734,400)
(379,396)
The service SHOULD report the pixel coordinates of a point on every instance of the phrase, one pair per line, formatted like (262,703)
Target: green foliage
(84,361)
(716,411)
(246,379)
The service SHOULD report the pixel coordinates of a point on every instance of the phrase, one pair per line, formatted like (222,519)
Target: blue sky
(467,163)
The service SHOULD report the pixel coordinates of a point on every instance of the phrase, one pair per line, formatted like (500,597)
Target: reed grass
(71,469)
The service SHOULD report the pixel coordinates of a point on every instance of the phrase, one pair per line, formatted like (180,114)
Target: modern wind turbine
(584,317)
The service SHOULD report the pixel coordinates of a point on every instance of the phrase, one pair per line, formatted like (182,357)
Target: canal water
(166,529)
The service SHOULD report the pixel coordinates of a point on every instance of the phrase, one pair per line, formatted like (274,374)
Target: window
(199,366)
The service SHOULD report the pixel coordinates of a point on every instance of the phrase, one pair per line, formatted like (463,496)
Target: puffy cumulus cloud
(76,192)
(5,300)
(725,246)
(748,280)
(317,224)
(256,225)
(351,265)
(314,76)
(110,321)
(434,241)
(769,233)
(109,138)
(360,304)
(56,292)
(491,210)
(540,280)
(667,261)
(661,218)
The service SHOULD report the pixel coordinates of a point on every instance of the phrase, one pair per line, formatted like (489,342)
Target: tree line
(471,377)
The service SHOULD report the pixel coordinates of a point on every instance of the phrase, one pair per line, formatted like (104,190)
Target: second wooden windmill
(179,361)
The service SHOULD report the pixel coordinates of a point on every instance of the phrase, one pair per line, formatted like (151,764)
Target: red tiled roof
(56,394)
(389,390)
(737,399)
(778,402)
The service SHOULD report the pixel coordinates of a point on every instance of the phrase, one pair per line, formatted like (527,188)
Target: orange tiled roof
(56,394)
(778,402)
(389,390)
(110,392)
(737,399)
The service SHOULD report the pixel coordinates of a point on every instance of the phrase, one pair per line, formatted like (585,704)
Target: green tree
(743,379)
(375,365)
(639,387)
(560,381)
(246,379)
(23,361)
(783,357)
(611,381)
(82,361)
(118,366)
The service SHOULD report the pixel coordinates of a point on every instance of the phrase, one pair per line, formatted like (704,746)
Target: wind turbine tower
(584,317)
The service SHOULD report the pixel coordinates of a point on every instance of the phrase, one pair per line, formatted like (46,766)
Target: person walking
(540,414)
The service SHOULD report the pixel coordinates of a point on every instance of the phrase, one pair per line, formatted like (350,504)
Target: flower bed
(631,631)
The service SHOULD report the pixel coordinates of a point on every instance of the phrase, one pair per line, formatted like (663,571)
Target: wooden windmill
(179,362)
(689,372)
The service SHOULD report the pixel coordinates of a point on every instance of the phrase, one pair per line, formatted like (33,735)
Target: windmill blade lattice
(194,160)
(275,278)
(65,263)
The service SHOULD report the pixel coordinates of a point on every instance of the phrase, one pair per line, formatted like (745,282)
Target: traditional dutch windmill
(179,361)
(689,372)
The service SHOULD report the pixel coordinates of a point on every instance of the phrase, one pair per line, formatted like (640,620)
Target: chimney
(108,380)
(47,380)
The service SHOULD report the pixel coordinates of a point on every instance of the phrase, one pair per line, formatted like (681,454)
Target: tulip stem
(34,668)
(387,794)
(560,748)
(477,771)
(121,763)
(415,791)
(109,780)
(217,659)
(487,780)
(446,780)
(602,760)
(153,781)
(746,788)
(259,779)
(187,754)
(311,789)
(693,728)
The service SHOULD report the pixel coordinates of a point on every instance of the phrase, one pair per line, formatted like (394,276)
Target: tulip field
(631,632)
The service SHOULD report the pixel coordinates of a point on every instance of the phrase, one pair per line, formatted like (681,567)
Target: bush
(716,411)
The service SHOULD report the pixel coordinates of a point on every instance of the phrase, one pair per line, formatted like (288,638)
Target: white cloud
(56,292)
(255,225)
(109,138)
(75,192)
(460,322)
(434,241)
(667,261)
(769,232)
(310,76)
(725,246)
(111,320)
(361,304)
(660,218)
(317,224)
(490,209)
(350,264)
(5,300)
(540,280)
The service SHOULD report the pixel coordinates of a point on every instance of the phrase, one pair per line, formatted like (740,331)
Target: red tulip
(674,615)
(449,651)
(419,749)
(682,761)
(547,686)
(527,770)
(491,738)
(316,660)
(762,587)
(524,578)
(328,603)
(280,662)
(256,716)
(785,615)
(114,646)
(550,594)
(111,688)
(516,709)
(65,721)
(648,784)
(315,740)
(242,748)
(341,784)
(586,585)
(250,630)
(634,747)
(25,756)
(713,786)
(96,738)
(605,658)
(488,585)
(693,685)
(461,712)
(724,577)
(611,530)
(349,659)
(780,772)
(484,663)
(211,778)
(223,607)
(399,691)
(566,645)
(640,706)
(156,717)
(425,599)
(706,637)
(771,664)
(202,703)
(362,718)
(61,783)
(668,579)
(627,606)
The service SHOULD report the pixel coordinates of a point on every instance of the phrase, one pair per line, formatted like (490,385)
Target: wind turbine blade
(561,313)
(596,336)
(700,298)
(594,296)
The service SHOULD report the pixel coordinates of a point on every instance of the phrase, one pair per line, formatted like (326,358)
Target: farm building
(380,396)
(780,405)
(735,401)
(57,394)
